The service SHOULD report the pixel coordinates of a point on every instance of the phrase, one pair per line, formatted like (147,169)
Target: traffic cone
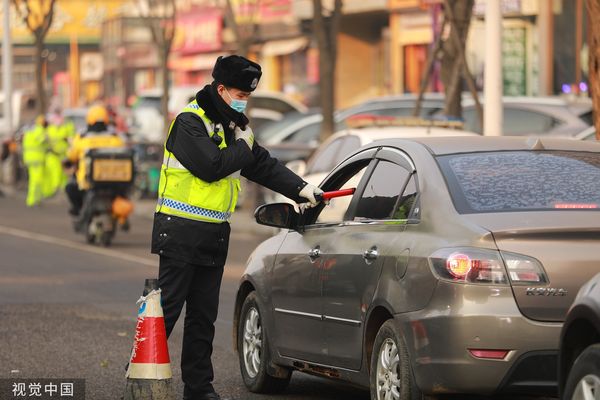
(149,374)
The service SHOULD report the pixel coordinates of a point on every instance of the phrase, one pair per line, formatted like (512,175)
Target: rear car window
(523,181)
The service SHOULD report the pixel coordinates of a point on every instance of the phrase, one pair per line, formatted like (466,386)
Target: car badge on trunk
(539,291)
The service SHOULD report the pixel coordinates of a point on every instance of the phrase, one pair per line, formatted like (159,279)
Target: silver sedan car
(451,270)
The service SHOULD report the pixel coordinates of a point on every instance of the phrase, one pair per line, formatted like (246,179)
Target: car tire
(253,351)
(390,367)
(584,377)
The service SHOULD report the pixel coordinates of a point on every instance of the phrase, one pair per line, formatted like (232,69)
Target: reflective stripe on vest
(184,195)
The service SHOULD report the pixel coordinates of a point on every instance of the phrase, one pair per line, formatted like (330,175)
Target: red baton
(335,193)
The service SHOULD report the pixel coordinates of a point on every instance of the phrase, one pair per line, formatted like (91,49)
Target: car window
(335,211)
(383,197)
(305,134)
(270,103)
(516,121)
(274,128)
(523,180)
(323,160)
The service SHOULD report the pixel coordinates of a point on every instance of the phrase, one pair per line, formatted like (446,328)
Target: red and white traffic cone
(149,372)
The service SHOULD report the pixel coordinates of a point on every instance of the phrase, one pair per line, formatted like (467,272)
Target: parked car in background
(579,366)
(147,121)
(297,136)
(535,116)
(450,271)
(341,144)
(587,134)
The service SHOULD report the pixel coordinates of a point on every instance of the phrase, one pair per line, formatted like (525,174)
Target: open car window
(335,212)
(390,194)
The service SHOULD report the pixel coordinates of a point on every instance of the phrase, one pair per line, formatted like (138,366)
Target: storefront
(197,42)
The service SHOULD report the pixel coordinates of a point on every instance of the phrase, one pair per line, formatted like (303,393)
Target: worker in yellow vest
(96,136)
(35,148)
(208,147)
(58,140)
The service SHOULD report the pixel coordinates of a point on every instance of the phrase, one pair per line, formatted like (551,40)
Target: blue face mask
(237,105)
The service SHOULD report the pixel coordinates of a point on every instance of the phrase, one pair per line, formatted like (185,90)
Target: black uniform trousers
(198,287)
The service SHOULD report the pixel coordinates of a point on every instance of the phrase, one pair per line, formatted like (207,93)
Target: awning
(283,47)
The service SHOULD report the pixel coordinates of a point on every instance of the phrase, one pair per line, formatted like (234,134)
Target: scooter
(105,205)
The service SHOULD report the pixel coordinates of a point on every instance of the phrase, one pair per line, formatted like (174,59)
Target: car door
(370,235)
(296,276)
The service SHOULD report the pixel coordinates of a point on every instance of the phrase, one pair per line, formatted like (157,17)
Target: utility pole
(493,69)
(8,173)
(7,67)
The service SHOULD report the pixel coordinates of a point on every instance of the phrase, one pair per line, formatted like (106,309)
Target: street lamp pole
(7,67)
(493,69)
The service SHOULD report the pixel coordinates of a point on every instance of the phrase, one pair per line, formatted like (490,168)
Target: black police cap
(237,72)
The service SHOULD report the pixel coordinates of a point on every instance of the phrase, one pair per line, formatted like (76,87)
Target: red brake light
(459,265)
(469,265)
(575,206)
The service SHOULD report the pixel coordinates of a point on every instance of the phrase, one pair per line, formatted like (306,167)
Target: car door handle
(371,254)
(314,253)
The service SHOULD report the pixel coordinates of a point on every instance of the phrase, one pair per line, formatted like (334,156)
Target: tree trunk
(593,7)
(327,86)
(459,16)
(39,77)
(326,31)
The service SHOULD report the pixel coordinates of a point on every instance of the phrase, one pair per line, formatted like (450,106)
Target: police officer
(35,147)
(208,147)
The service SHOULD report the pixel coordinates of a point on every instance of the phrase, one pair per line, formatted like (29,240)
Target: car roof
(470,144)
(390,132)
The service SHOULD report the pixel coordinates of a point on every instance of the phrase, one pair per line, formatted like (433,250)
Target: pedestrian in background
(55,177)
(208,147)
(35,148)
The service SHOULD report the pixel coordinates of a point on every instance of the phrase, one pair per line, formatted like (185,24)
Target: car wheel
(253,350)
(391,374)
(583,382)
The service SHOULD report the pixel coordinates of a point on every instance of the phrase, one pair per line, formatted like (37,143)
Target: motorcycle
(105,204)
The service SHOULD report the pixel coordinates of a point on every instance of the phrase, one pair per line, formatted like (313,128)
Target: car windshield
(523,180)
(271,129)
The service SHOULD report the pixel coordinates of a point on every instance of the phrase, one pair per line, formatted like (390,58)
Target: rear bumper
(479,317)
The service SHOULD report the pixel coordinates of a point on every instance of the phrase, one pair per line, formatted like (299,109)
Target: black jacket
(206,243)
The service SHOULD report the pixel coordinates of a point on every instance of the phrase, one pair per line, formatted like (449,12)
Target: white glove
(308,192)
(247,135)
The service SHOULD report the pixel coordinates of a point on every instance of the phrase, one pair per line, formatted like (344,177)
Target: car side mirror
(279,215)
(297,166)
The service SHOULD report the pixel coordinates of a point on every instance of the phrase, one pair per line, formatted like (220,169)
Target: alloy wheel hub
(252,342)
(388,378)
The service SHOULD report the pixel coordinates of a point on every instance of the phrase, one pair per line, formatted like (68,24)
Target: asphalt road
(67,309)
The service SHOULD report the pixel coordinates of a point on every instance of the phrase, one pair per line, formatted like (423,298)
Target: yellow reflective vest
(184,195)
(35,146)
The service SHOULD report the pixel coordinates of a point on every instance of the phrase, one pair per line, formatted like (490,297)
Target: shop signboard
(80,20)
(514,61)
(258,11)
(198,32)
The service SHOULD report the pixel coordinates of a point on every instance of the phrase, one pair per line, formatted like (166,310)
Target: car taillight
(469,265)
(523,270)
